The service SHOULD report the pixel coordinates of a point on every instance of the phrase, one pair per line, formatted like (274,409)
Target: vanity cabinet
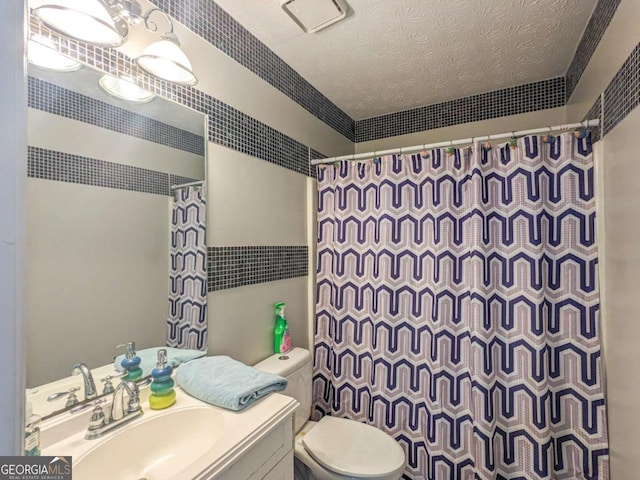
(283,470)
(270,458)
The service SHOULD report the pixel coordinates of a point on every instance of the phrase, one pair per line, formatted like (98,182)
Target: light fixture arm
(121,23)
(152,26)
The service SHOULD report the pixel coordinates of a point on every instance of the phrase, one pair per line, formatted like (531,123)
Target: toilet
(333,448)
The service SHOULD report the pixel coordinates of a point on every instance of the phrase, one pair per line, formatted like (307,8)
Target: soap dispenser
(162,393)
(131,362)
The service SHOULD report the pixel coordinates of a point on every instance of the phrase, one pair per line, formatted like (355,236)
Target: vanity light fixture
(42,52)
(106,23)
(165,59)
(125,88)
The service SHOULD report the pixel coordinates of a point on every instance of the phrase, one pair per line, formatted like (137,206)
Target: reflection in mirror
(98,206)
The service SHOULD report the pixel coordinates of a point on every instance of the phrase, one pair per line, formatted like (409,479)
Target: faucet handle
(71,400)
(98,419)
(144,382)
(108,386)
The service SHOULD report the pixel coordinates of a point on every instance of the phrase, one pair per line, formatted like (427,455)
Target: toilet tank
(296,367)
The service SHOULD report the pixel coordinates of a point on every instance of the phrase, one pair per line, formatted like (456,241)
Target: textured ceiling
(392,55)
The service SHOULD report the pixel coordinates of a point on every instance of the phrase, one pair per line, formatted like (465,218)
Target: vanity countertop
(190,440)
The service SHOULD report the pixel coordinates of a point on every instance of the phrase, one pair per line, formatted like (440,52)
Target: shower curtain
(187,322)
(458,308)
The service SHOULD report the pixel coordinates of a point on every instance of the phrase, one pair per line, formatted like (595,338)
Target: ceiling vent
(314,15)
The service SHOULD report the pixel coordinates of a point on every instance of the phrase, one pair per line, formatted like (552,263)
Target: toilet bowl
(332,448)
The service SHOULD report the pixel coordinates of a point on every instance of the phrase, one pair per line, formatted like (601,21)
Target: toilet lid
(353,449)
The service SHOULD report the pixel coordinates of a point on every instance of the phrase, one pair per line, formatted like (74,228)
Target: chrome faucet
(90,391)
(118,413)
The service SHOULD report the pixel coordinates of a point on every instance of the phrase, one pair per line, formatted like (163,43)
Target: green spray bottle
(281,337)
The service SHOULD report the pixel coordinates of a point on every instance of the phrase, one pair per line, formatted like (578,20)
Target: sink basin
(155,448)
(191,440)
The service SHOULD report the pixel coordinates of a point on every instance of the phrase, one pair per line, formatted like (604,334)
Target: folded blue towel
(227,383)
(149,358)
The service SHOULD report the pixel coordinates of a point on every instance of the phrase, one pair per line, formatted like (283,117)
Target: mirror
(98,207)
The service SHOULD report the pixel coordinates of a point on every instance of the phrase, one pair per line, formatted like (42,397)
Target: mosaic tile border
(228,126)
(509,101)
(622,94)
(66,167)
(58,100)
(593,33)
(208,20)
(231,267)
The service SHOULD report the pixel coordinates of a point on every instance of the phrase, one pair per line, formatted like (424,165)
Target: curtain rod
(451,143)
(190,184)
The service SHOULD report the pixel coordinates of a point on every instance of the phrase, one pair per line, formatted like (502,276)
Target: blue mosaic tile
(598,23)
(57,100)
(622,95)
(232,267)
(65,167)
(509,101)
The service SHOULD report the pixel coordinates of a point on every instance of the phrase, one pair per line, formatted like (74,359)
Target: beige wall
(241,319)
(97,275)
(253,202)
(619,236)
(622,303)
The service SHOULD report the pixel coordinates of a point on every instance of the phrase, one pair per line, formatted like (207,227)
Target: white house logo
(35,468)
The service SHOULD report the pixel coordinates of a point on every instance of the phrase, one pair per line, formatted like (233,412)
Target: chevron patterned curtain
(187,323)
(458,308)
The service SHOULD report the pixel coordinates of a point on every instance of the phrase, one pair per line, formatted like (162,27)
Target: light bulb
(85,20)
(41,51)
(124,88)
(166,60)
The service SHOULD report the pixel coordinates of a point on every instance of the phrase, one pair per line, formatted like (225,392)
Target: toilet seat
(353,449)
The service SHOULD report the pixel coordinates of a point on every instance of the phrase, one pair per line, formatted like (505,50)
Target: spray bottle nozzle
(280,306)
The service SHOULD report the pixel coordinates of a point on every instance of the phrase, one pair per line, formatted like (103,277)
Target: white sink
(157,448)
(190,440)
